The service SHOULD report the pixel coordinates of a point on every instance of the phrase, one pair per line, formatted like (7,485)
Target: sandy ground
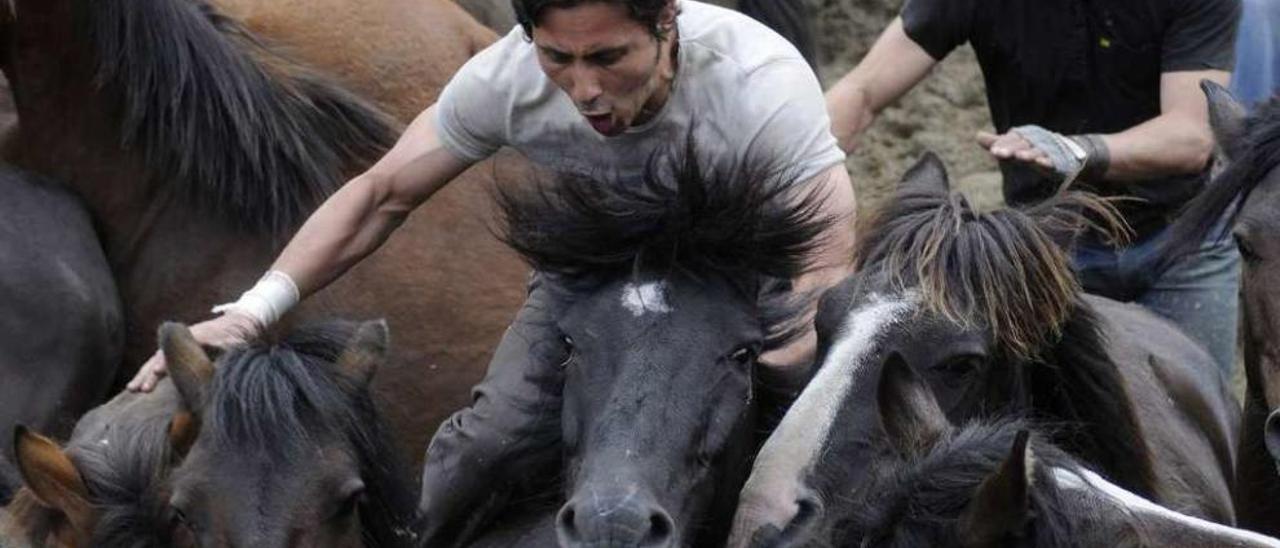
(941,114)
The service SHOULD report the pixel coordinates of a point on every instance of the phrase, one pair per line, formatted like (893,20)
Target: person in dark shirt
(1102,95)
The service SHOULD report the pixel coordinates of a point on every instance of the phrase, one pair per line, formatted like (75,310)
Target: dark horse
(666,291)
(1248,191)
(62,331)
(289,448)
(281,446)
(198,150)
(990,484)
(985,307)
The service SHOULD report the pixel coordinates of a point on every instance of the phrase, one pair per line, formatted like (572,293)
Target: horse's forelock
(755,227)
(279,397)
(1001,270)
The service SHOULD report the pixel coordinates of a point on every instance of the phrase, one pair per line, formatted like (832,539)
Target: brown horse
(62,331)
(107,486)
(1248,191)
(199,150)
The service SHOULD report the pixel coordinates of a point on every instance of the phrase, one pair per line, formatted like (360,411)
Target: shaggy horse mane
(928,492)
(755,229)
(233,128)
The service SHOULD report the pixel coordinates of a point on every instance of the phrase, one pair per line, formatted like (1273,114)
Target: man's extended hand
(1011,146)
(229,329)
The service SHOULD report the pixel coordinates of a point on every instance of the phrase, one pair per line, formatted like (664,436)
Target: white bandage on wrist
(267,300)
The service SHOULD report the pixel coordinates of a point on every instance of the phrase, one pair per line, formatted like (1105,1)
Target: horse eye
(1246,250)
(743,356)
(959,366)
(570,351)
(350,502)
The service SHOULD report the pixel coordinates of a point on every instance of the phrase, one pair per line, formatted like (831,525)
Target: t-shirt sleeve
(792,133)
(1201,36)
(471,116)
(938,26)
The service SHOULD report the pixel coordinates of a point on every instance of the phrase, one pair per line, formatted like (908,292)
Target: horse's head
(283,444)
(108,486)
(667,292)
(965,299)
(991,483)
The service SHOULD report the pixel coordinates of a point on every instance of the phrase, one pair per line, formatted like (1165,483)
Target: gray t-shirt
(741,92)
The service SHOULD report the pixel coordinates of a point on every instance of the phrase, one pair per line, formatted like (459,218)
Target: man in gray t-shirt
(581,85)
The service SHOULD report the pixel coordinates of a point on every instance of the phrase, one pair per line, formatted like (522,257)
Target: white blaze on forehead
(645,298)
(796,443)
(1089,482)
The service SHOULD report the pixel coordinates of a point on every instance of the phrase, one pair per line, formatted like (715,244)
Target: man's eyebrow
(608,52)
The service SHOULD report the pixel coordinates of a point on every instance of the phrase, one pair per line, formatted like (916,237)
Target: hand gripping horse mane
(984,306)
(666,291)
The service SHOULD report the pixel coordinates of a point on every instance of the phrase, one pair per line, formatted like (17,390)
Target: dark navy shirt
(1081,66)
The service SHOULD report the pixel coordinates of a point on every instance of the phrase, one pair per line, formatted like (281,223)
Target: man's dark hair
(646,12)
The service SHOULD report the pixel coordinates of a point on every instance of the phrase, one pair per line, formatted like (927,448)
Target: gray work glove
(1074,158)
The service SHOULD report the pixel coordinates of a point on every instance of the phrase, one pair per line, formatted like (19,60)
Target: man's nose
(585,88)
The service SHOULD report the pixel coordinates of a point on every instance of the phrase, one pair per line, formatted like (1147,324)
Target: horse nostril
(1271,434)
(661,529)
(808,513)
(566,528)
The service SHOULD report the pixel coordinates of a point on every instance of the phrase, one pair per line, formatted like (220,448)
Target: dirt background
(941,114)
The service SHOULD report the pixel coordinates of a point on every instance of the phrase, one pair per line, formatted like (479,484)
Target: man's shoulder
(510,59)
(717,37)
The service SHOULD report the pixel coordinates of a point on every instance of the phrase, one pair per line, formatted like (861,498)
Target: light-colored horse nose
(775,519)
(624,519)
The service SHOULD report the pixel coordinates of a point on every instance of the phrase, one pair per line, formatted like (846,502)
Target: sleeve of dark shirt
(938,26)
(1201,36)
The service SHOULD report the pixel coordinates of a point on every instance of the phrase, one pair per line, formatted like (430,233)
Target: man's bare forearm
(1169,144)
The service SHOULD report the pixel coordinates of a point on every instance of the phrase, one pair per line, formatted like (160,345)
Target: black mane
(238,131)
(919,499)
(1227,193)
(274,398)
(753,228)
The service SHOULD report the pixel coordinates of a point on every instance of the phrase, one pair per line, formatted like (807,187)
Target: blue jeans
(1257,72)
(1199,293)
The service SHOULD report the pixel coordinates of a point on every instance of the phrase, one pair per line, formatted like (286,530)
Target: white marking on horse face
(645,298)
(794,446)
(1093,484)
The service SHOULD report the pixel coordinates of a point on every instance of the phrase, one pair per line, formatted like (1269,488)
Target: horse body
(1182,406)
(279,137)
(984,307)
(62,332)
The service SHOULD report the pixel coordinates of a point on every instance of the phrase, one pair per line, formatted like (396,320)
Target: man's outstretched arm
(346,228)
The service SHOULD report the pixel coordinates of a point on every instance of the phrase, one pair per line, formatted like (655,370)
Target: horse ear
(50,475)
(184,427)
(189,366)
(366,350)
(1227,118)
(909,413)
(999,507)
(928,174)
